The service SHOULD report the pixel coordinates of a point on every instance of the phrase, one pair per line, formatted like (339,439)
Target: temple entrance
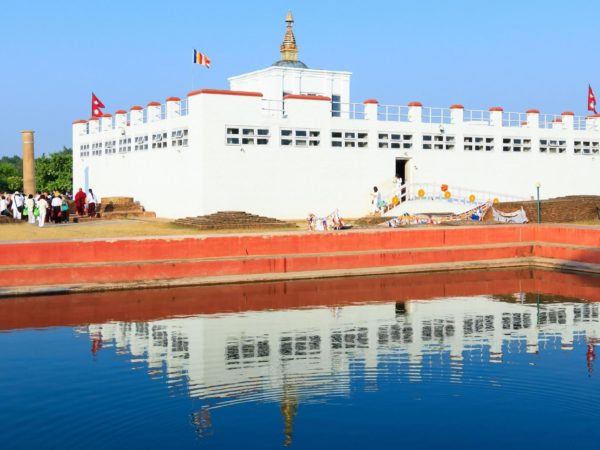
(401,169)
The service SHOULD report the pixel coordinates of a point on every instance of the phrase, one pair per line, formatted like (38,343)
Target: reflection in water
(312,355)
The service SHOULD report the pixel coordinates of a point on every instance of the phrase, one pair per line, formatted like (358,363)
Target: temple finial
(289,49)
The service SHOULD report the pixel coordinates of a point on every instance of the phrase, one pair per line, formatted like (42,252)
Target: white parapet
(94,125)
(316,107)
(137,115)
(173,107)
(153,112)
(106,122)
(533,118)
(496,116)
(457,113)
(567,120)
(415,112)
(120,119)
(79,127)
(371,109)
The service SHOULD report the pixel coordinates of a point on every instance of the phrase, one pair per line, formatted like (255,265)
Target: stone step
(232,220)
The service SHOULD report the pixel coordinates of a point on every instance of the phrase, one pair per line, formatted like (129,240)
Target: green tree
(10,178)
(54,172)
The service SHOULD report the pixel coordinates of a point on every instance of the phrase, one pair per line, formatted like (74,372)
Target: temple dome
(289,49)
(287,63)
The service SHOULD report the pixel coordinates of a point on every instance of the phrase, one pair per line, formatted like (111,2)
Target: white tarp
(513,217)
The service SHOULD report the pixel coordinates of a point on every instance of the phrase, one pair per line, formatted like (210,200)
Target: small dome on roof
(287,63)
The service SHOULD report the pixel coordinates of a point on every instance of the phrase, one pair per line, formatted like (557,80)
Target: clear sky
(516,54)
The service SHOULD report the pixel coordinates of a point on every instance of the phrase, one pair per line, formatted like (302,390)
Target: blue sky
(515,54)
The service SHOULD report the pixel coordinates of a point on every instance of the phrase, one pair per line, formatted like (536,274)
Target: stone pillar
(371,107)
(28,163)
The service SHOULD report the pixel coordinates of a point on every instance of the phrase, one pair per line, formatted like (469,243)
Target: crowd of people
(43,207)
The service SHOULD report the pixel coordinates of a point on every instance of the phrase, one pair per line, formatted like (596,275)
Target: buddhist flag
(591,100)
(96,106)
(199,58)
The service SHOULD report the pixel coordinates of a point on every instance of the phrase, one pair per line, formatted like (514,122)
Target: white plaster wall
(288,182)
(273,81)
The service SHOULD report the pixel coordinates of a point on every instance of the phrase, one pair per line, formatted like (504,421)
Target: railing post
(137,115)
(153,112)
(173,107)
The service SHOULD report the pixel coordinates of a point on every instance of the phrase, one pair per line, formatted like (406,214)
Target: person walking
(42,205)
(56,204)
(30,205)
(17,205)
(92,200)
(80,202)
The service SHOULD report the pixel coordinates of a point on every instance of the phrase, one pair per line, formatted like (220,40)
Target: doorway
(401,169)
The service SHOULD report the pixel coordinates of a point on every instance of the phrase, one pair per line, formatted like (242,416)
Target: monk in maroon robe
(80,202)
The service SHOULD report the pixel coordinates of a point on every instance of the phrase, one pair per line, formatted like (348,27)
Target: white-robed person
(30,205)
(42,205)
(17,205)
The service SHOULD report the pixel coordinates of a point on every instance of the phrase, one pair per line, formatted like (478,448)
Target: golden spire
(289,49)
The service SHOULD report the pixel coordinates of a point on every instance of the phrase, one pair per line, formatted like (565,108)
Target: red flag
(96,106)
(591,100)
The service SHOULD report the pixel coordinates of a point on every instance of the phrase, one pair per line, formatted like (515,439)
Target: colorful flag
(96,106)
(591,100)
(199,58)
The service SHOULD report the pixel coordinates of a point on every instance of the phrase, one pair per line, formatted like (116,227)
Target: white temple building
(287,140)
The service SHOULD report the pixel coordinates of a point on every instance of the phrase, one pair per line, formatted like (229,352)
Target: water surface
(472,360)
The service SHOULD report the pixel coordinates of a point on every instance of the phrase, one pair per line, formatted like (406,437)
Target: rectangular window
(97,149)
(84,150)
(141,143)
(516,144)
(349,139)
(478,143)
(336,106)
(586,147)
(247,136)
(553,146)
(124,145)
(394,141)
(300,137)
(179,138)
(159,140)
(440,142)
(110,147)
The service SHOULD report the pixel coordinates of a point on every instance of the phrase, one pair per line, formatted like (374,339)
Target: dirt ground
(135,228)
(109,229)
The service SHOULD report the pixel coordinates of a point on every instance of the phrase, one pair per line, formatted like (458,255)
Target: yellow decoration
(496,200)
(421,193)
(471,198)
(395,200)
(447,194)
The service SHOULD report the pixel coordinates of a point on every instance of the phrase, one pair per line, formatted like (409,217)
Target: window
(336,105)
(478,143)
(84,150)
(97,149)
(586,147)
(300,138)
(349,139)
(179,138)
(516,144)
(553,146)
(394,140)
(124,145)
(141,143)
(438,142)
(159,140)
(247,136)
(110,147)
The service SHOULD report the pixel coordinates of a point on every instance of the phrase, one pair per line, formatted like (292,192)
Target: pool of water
(472,360)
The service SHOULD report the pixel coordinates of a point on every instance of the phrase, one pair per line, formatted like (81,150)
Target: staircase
(232,220)
(114,208)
